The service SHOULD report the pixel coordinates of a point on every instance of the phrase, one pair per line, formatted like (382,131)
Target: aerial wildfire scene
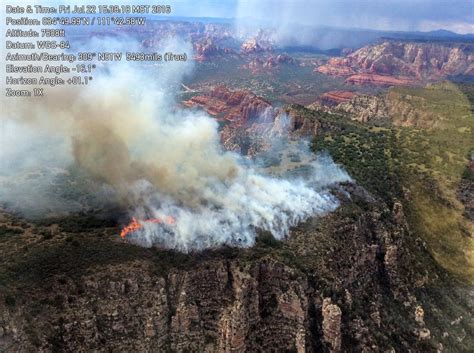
(302,181)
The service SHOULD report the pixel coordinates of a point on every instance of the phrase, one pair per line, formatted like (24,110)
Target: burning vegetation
(135,225)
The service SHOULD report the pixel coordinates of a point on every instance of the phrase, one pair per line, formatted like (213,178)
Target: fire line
(135,225)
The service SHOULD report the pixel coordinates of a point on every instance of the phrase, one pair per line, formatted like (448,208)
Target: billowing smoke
(125,133)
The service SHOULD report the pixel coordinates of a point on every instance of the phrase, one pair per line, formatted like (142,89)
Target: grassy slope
(422,165)
(440,154)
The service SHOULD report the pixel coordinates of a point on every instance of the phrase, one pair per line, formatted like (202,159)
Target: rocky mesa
(394,63)
(239,107)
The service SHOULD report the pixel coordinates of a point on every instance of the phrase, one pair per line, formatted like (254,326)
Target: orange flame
(134,225)
(170,220)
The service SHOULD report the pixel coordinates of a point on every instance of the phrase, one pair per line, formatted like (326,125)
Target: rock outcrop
(401,109)
(394,63)
(336,67)
(333,98)
(303,125)
(254,46)
(417,60)
(239,107)
(279,59)
(206,50)
(332,325)
(259,64)
(379,80)
(248,118)
(364,108)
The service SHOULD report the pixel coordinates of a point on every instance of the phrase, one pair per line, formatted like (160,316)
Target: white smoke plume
(125,133)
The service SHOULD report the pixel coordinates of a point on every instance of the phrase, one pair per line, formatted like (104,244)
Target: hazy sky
(424,15)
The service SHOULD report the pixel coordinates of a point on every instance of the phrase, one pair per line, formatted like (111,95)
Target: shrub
(10,300)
